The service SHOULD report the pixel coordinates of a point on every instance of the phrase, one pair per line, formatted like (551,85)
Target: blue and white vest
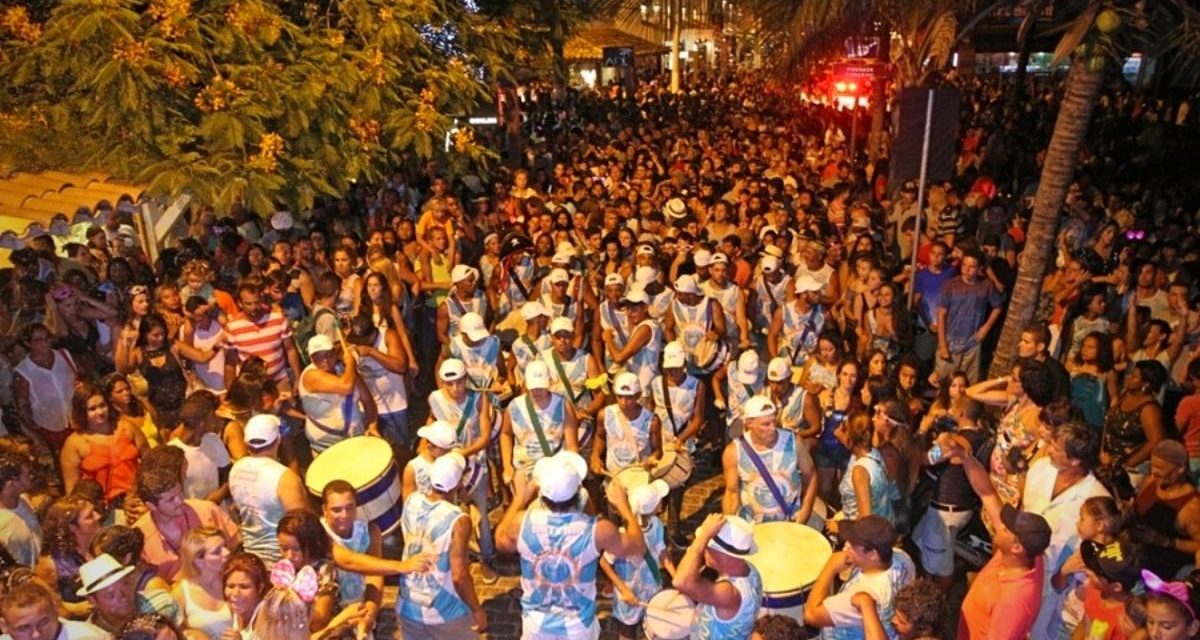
(558,575)
(429,597)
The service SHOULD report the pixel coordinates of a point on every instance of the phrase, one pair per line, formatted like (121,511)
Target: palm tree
(1162,28)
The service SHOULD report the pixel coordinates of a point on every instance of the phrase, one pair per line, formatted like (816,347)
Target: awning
(589,42)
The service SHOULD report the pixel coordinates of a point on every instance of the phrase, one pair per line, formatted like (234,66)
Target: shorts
(459,629)
(935,535)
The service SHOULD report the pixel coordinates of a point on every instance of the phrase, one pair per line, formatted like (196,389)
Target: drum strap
(562,375)
(653,565)
(347,411)
(537,426)
(529,343)
(809,327)
(670,410)
(767,478)
(472,400)
(615,321)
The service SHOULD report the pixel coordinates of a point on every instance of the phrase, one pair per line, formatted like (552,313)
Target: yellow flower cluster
(170,15)
(373,68)
(175,76)
(132,51)
(14,122)
(270,147)
(464,138)
(254,21)
(16,22)
(365,130)
(217,95)
(386,14)
(425,117)
(337,39)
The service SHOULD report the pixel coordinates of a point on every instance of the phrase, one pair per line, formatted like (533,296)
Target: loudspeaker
(909,125)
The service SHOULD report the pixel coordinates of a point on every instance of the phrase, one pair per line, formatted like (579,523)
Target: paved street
(502,600)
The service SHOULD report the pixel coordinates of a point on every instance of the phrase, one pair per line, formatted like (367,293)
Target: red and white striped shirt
(264,339)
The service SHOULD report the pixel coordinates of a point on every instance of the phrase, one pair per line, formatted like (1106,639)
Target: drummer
(537,424)
(799,411)
(629,434)
(693,316)
(640,354)
(570,368)
(560,547)
(529,345)
(471,413)
(681,419)
(332,399)
(744,379)
(437,439)
(637,579)
(769,477)
(727,606)
(480,352)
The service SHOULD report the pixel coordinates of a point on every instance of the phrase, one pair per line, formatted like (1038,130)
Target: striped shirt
(265,340)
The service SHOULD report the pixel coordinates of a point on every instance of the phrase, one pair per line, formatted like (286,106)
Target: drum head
(790,556)
(359,461)
(669,616)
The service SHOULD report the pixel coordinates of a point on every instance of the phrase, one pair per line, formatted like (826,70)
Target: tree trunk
(676,35)
(879,94)
(1058,171)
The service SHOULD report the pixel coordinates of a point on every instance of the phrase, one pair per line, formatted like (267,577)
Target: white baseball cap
(452,369)
(537,375)
(439,433)
(627,384)
(533,309)
(673,355)
(644,499)
(636,295)
(645,250)
(613,279)
(562,257)
(806,283)
(736,538)
(645,275)
(747,367)
(462,272)
(702,257)
(319,343)
(261,430)
(562,323)
(779,369)
(559,276)
(758,407)
(445,474)
(687,284)
(769,264)
(471,324)
(719,258)
(559,476)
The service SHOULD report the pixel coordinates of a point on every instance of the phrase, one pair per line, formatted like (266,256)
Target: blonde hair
(192,547)
(199,268)
(282,616)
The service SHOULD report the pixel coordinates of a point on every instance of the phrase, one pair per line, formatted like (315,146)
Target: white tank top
(50,390)
(387,388)
(211,373)
(329,418)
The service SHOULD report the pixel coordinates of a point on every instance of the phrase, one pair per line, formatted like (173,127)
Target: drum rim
(313,467)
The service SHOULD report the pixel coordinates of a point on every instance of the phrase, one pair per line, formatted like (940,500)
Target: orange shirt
(1001,606)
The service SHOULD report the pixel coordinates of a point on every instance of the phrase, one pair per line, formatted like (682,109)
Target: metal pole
(912,289)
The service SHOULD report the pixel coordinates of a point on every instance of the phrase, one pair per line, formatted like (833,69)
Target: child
(1099,521)
(1112,572)
(1170,608)
(637,579)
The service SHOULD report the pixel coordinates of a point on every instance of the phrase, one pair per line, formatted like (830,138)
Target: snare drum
(365,462)
(709,355)
(669,616)
(586,430)
(790,558)
(472,475)
(675,468)
(628,478)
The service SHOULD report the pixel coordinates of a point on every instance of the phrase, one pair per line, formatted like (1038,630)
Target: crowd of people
(220,444)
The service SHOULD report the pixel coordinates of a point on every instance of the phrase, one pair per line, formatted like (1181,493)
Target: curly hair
(148,626)
(923,603)
(778,627)
(306,527)
(62,518)
(121,542)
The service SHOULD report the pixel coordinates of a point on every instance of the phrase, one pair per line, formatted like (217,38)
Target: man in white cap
(439,603)
(702,260)
(798,410)
(640,354)
(529,346)
(560,547)
(796,326)
(263,489)
(721,287)
(560,303)
(479,350)
(28,612)
(464,297)
(768,293)
(638,579)
(812,263)
(678,399)
(537,424)
(336,402)
(610,316)
(629,434)
(437,439)
(471,414)
(728,606)
(768,475)
(744,379)
(694,316)
(570,369)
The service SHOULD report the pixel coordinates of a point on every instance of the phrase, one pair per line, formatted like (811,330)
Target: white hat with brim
(562,324)
(559,476)
(318,344)
(675,208)
(807,283)
(445,474)
(452,369)
(758,407)
(537,375)
(736,538)
(687,284)
(439,433)
(636,296)
(471,324)
(702,257)
(261,430)
(100,573)
(747,367)
(779,369)
(613,280)
(462,272)
(627,384)
(673,355)
(533,309)
(644,499)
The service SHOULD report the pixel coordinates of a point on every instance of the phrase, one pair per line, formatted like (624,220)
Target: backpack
(306,328)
